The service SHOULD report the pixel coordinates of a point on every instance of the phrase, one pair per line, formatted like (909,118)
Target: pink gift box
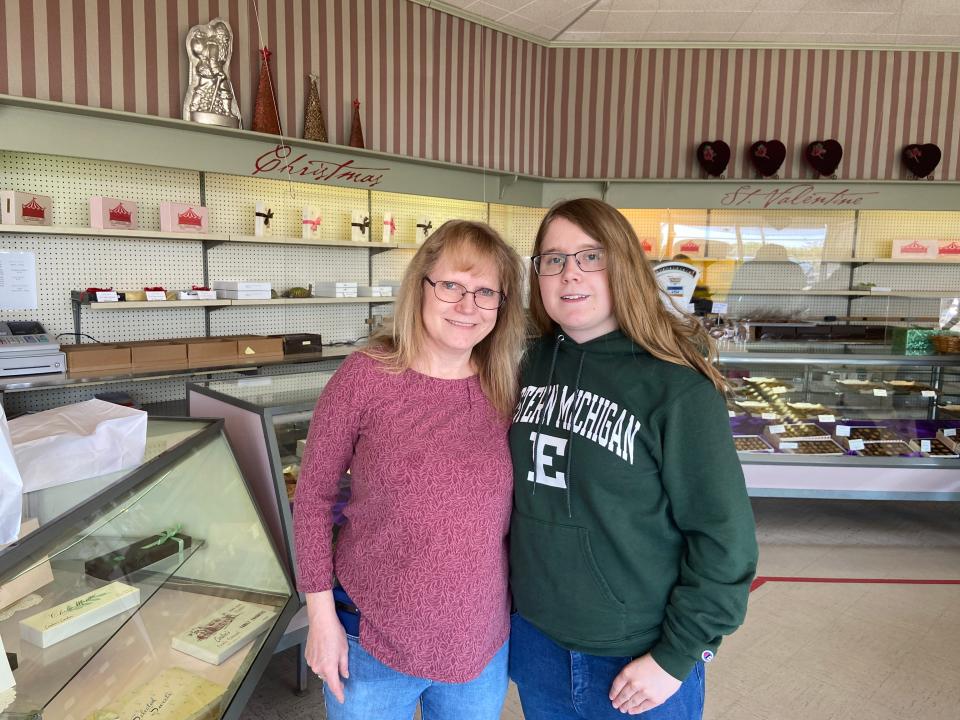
(20,208)
(108,213)
(690,248)
(949,250)
(183,217)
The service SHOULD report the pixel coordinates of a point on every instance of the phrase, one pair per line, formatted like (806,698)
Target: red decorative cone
(265,118)
(356,130)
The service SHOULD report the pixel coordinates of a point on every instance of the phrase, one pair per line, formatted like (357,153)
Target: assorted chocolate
(886,449)
(751,443)
(874,434)
(937,448)
(813,447)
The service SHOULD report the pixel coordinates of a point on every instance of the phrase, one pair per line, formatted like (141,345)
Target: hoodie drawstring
(567,475)
(536,437)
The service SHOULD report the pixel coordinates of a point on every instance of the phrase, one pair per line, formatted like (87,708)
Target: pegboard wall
(66,262)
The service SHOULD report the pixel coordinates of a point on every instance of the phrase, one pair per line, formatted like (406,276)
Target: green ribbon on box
(165,536)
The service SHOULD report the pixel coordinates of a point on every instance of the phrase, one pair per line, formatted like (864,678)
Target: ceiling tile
(930,7)
(869,39)
(769,22)
(686,37)
(699,22)
(929,25)
(558,13)
(488,10)
(636,22)
(841,22)
(863,6)
(714,6)
(593,21)
(928,40)
(801,38)
(628,5)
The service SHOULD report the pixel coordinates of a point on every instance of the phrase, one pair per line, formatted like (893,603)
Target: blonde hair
(636,296)
(466,244)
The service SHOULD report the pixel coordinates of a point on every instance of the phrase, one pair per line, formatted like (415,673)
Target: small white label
(788,446)
(719,308)
(843,431)
(924,446)
(856,444)
(928,393)
(779,390)
(706,656)
(949,432)
(107,297)
(777,429)
(153,295)
(769,416)
(879,392)
(731,413)
(878,289)
(826,418)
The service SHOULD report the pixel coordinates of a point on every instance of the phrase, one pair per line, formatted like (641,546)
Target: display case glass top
(161,596)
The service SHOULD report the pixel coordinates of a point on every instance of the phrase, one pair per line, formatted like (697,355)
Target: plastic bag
(11,487)
(76,442)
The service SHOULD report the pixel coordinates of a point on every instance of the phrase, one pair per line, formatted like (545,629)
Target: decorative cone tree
(265,118)
(314,128)
(356,130)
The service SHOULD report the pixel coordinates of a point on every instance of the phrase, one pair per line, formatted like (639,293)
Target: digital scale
(23,352)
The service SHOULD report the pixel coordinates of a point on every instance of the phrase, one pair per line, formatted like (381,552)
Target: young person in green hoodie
(632,542)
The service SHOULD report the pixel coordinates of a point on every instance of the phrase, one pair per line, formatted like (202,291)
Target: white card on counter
(777,429)
(928,393)
(856,444)
(768,416)
(879,392)
(826,418)
(949,432)
(924,446)
(731,413)
(788,446)
(843,431)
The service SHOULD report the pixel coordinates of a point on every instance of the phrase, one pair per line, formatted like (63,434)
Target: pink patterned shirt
(423,552)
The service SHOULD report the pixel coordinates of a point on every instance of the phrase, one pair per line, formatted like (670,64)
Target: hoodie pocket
(558,585)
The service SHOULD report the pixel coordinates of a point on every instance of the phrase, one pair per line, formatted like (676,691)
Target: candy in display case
(165,595)
(844,420)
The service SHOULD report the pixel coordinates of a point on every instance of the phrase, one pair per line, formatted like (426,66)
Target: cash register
(27,349)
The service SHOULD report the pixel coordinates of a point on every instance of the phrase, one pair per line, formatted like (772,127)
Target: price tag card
(777,429)
(878,289)
(856,444)
(769,416)
(928,393)
(719,308)
(843,431)
(731,413)
(826,418)
(154,295)
(924,446)
(788,446)
(949,432)
(879,392)
(779,390)
(108,297)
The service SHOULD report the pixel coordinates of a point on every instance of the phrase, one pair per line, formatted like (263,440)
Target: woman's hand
(326,650)
(642,685)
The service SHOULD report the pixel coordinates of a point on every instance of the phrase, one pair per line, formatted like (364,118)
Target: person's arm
(334,429)
(703,479)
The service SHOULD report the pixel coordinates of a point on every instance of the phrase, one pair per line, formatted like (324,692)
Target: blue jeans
(558,684)
(377,692)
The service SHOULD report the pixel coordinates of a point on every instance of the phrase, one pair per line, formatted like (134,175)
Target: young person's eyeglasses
(590,260)
(452,292)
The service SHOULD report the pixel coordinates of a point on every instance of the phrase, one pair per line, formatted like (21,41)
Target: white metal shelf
(316,301)
(838,293)
(841,261)
(168,304)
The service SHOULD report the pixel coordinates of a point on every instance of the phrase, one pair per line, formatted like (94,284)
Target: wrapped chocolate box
(173,694)
(20,208)
(183,217)
(932,447)
(224,632)
(311,223)
(65,620)
(127,560)
(108,213)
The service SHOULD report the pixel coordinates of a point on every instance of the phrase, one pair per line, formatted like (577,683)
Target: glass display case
(839,420)
(153,593)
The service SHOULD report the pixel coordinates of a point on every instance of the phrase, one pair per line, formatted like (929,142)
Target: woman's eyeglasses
(452,292)
(590,260)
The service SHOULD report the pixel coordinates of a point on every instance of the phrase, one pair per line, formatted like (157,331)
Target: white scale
(30,355)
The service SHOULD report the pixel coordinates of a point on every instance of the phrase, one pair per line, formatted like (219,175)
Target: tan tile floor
(811,651)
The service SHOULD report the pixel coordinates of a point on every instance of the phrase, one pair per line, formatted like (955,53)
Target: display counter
(153,593)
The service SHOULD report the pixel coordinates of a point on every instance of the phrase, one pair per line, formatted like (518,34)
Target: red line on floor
(762,580)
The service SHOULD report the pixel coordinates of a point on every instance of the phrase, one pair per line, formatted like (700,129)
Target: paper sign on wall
(18,280)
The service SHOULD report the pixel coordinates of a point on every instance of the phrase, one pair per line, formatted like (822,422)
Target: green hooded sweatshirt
(632,531)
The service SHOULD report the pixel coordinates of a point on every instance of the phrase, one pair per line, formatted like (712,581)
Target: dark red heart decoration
(824,156)
(921,160)
(767,156)
(713,155)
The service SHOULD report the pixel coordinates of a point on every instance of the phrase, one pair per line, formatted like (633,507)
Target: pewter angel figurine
(210,98)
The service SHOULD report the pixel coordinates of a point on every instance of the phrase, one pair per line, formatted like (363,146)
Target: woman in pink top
(420,418)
